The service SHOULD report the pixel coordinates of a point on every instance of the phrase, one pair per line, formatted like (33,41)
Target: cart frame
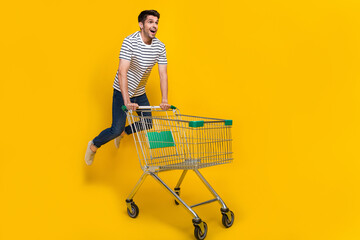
(179,159)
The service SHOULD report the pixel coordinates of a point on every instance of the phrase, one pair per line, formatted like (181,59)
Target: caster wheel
(134,210)
(226,221)
(198,233)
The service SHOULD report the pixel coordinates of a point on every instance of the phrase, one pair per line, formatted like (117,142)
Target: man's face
(150,26)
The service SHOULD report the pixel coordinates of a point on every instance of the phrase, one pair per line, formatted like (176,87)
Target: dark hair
(142,16)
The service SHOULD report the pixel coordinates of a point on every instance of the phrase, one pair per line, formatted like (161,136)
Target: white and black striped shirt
(142,58)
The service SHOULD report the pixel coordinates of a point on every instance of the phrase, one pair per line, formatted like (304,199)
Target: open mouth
(153,31)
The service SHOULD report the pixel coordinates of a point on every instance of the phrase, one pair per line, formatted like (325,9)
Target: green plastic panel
(228,122)
(160,139)
(196,124)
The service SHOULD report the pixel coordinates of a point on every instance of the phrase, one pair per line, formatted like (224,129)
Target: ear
(141,25)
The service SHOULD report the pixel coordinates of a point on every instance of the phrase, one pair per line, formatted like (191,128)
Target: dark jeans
(119,119)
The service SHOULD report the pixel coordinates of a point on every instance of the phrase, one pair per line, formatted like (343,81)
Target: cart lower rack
(168,140)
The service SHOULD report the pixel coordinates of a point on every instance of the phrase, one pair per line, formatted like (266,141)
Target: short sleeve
(126,50)
(162,57)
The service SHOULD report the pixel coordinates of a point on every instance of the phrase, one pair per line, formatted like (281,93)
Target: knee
(116,131)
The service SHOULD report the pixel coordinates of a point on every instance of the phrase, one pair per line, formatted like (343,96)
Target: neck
(145,39)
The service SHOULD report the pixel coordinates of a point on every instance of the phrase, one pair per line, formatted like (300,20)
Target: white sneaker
(89,155)
(117,141)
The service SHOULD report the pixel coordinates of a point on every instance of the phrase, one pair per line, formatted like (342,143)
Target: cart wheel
(134,210)
(226,221)
(198,234)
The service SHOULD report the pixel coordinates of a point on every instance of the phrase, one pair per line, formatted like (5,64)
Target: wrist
(127,101)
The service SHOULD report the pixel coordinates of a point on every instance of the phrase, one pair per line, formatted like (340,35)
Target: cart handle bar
(124,108)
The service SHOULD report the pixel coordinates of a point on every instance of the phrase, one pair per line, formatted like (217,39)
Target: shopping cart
(168,140)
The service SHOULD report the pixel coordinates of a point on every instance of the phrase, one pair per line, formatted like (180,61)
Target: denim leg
(141,100)
(118,122)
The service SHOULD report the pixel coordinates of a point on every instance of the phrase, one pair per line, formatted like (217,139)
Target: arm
(124,66)
(164,86)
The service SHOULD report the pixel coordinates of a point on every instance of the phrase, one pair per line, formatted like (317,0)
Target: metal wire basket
(174,141)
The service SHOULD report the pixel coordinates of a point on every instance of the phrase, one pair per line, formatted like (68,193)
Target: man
(139,53)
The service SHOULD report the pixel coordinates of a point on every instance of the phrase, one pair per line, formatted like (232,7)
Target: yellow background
(286,72)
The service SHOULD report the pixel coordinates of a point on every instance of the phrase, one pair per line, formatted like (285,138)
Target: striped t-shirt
(142,58)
